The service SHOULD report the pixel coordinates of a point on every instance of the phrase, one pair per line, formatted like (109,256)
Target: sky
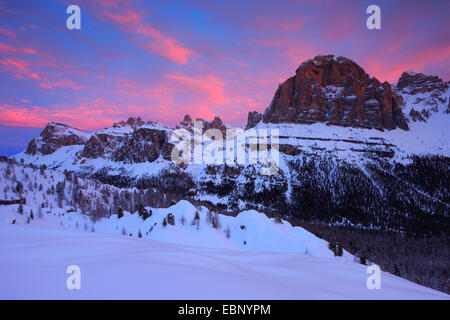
(161,60)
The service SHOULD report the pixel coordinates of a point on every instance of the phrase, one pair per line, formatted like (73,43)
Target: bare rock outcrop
(336,91)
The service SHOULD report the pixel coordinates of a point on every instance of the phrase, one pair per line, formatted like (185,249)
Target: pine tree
(143,213)
(340,250)
(119,212)
(19,188)
(397,271)
(196,221)
(278,219)
(170,219)
(363,259)
(40,211)
(228,232)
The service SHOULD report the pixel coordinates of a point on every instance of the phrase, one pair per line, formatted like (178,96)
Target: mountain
(336,91)
(55,136)
(180,249)
(423,95)
(353,151)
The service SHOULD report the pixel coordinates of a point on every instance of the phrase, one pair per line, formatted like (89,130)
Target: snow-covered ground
(33,263)
(249,230)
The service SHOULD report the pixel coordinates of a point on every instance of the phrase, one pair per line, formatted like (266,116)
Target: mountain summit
(335,91)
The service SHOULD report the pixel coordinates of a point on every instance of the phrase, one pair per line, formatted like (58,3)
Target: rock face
(414,83)
(254,117)
(144,144)
(336,91)
(423,95)
(133,141)
(55,136)
(102,144)
(188,124)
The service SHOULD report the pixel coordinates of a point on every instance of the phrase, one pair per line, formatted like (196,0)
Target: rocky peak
(423,95)
(330,71)
(412,83)
(132,122)
(254,117)
(187,118)
(135,122)
(216,123)
(336,91)
(54,136)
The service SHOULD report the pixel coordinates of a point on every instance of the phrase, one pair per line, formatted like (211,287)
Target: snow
(249,230)
(61,129)
(33,263)
(422,138)
(261,259)
(345,143)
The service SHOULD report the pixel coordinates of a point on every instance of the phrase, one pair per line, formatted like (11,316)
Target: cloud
(128,19)
(37,116)
(63,83)
(6,48)
(391,69)
(19,68)
(8,33)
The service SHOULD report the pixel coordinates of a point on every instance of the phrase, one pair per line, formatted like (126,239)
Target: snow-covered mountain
(352,150)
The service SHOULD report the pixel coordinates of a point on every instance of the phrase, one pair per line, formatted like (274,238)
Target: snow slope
(259,259)
(33,263)
(249,230)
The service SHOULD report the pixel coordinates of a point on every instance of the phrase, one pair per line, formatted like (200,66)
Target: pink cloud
(209,85)
(7,32)
(267,43)
(390,69)
(37,116)
(64,83)
(14,50)
(19,68)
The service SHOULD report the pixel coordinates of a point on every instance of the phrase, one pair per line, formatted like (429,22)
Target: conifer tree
(119,212)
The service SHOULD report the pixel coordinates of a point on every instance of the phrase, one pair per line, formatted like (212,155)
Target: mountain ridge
(400,173)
